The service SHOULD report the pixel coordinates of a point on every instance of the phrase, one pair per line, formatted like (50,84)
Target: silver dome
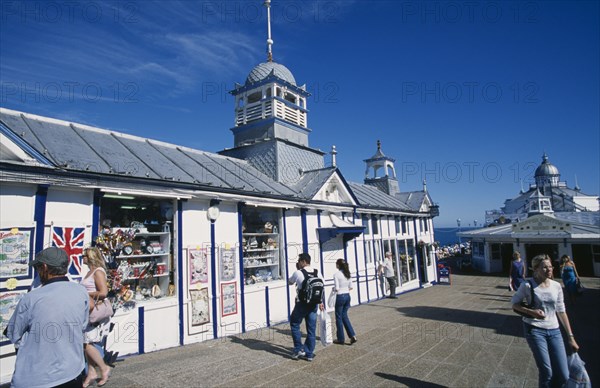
(262,71)
(546,168)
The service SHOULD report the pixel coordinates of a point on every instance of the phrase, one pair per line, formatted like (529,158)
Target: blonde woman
(95,282)
(541,326)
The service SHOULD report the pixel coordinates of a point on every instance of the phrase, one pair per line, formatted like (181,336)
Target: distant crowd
(452,250)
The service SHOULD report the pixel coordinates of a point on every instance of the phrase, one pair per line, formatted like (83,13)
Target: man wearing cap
(47,327)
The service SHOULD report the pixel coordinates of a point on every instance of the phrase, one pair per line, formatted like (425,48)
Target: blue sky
(467,95)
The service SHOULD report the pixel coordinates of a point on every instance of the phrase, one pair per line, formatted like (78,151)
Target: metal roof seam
(45,152)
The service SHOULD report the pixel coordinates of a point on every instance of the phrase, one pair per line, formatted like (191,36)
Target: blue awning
(347,232)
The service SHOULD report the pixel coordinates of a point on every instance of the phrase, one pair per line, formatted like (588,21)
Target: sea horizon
(448,235)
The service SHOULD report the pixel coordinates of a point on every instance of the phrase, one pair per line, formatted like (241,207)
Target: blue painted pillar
(39,216)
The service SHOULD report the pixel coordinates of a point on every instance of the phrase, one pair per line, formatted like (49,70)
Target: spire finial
(522,191)
(577,188)
(545,157)
(424,184)
(267,4)
(333,156)
(378,145)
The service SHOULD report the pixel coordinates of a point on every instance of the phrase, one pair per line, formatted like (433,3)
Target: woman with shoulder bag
(342,283)
(540,323)
(95,282)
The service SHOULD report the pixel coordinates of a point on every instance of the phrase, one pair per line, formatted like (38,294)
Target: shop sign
(540,224)
(444,276)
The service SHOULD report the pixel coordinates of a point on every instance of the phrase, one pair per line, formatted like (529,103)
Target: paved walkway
(463,335)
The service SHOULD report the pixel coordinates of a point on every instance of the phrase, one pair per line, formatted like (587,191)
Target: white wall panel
(17,203)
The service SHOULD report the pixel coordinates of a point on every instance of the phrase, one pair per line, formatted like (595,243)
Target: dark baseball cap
(53,256)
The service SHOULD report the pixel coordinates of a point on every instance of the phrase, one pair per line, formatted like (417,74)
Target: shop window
(377,254)
(375,223)
(366,225)
(390,246)
(412,262)
(403,257)
(403,225)
(596,253)
(496,251)
(261,245)
(135,237)
(478,249)
(369,252)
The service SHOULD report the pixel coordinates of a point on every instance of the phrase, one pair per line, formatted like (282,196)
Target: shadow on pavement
(410,382)
(502,324)
(265,346)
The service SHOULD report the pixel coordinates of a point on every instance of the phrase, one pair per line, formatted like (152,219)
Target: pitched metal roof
(78,147)
(413,199)
(372,197)
(311,181)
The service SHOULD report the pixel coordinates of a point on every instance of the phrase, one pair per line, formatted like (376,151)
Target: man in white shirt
(47,327)
(303,310)
(386,268)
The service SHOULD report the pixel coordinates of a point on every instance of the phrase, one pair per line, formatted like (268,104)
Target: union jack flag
(71,240)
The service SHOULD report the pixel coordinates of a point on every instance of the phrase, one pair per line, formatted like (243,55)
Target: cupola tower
(387,182)
(271,124)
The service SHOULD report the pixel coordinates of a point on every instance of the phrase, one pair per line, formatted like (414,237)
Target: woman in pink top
(95,282)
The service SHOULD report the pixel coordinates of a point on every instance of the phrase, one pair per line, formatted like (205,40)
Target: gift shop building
(200,245)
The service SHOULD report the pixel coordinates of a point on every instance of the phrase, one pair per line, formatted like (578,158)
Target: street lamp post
(458,223)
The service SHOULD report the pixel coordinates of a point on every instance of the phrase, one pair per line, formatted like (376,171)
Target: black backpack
(312,288)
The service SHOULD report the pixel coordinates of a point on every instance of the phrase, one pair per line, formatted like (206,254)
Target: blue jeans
(309,313)
(550,355)
(342,304)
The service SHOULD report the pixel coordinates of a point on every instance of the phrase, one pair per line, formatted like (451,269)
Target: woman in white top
(342,286)
(541,323)
(95,282)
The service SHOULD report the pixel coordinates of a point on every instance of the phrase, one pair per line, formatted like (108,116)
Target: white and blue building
(225,228)
(548,218)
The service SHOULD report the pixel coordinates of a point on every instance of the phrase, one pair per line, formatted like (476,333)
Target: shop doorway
(582,256)
(506,253)
(532,250)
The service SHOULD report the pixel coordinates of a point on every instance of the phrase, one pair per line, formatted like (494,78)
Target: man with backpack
(310,289)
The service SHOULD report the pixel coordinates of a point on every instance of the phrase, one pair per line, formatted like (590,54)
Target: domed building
(549,218)
(547,180)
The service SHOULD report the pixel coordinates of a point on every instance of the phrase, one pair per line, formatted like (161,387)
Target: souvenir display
(261,253)
(137,260)
(228,299)
(200,307)
(198,259)
(15,250)
(228,264)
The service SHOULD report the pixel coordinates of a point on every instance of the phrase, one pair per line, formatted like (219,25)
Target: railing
(264,109)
